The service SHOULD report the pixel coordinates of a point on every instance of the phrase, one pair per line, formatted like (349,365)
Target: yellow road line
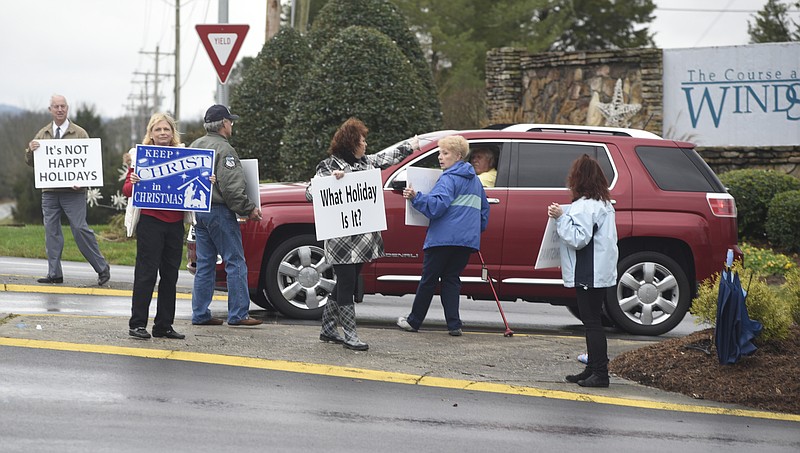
(386,376)
(98,291)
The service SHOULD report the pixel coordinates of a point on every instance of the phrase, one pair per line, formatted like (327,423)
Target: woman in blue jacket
(458,213)
(588,233)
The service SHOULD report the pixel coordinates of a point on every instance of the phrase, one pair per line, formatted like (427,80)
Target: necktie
(58,132)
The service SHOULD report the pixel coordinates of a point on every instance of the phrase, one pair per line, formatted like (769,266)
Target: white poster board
(421,180)
(733,96)
(550,250)
(68,163)
(348,206)
(250,167)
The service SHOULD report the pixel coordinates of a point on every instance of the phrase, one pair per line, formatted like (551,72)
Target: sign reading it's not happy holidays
(68,163)
(173,178)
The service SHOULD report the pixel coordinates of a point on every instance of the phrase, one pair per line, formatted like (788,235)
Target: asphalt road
(68,362)
(80,402)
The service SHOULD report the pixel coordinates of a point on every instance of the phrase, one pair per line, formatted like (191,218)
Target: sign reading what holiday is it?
(68,163)
(350,205)
(173,178)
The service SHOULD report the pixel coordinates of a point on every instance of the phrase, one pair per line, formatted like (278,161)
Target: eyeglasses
(230,121)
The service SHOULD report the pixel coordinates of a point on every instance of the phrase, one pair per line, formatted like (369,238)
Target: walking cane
(485,276)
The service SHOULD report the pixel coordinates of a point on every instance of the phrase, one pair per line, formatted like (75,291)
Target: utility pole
(156,95)
(177,53)
(300,18)
(273,18)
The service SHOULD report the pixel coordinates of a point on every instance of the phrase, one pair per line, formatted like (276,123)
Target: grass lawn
(28,242)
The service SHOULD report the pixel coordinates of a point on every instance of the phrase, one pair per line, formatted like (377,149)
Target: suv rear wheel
(298,278)
(652,294)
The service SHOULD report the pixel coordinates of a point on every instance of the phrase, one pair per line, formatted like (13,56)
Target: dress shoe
(595,380)
(139,332)
(574,378)
(51,280)
(169,334)
(246,322)
(210,322)
(104,276)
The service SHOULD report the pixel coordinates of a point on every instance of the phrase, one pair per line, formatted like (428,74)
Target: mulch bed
(767,380)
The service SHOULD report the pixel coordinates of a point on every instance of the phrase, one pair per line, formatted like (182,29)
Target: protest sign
(173,178)
(68,163)
(250,167)
(421,180)
(550,250)
(348,206)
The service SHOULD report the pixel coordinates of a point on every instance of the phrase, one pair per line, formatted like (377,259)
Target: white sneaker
(403,324)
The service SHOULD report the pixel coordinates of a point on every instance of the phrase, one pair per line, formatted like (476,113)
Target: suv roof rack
(575,129)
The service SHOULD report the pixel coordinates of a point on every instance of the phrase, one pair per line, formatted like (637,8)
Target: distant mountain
(10,110)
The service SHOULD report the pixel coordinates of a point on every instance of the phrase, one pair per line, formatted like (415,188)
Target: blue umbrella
(734,330)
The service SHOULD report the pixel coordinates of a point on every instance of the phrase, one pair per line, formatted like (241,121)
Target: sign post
(222,43)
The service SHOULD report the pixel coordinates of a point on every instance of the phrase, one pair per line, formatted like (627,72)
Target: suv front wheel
(298,278)
(652,294)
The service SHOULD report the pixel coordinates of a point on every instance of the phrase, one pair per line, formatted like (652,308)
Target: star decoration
(119,201)
(123,172)
(617,113)
(93,196)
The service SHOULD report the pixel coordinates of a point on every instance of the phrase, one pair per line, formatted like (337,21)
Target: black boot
(574,378)
(347,316)
(595,380)
(330,332)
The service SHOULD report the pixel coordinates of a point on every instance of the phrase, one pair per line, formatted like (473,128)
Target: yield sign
(222,42)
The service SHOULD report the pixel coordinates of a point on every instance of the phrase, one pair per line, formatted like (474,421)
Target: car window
(431,160)
(545,164)
(491,151)
(676,169)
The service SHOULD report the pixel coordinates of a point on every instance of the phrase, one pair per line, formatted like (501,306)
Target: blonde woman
(458,213)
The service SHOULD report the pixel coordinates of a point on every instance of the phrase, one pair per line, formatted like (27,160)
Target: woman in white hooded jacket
(588,234)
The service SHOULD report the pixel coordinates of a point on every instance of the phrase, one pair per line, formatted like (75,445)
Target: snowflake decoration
(123,172)
(617,113)
(93,196)
(119,201)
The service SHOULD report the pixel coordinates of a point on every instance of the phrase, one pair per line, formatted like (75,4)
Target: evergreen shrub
(264,97)
(783,220)
(765,303)
(753,190)
(360,73)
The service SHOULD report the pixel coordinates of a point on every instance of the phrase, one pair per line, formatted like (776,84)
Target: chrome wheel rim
(648,293)
(305,278)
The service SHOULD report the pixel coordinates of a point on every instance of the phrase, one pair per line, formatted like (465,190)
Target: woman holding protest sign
(159,244)
(589,254)
(348,254)
(459,212)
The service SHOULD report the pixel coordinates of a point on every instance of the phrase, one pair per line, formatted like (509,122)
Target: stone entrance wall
(580,88)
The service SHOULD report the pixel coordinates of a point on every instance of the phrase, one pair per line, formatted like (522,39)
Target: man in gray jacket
(70,201)
(218,231)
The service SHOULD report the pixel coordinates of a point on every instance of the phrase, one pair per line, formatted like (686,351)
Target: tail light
(721,204)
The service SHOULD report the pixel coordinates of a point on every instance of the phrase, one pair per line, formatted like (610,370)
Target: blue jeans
(218,233)
(445,264)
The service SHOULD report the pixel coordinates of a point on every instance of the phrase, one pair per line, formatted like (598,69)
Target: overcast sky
(90,50)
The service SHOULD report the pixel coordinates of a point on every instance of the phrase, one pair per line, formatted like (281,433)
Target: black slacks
(159,247)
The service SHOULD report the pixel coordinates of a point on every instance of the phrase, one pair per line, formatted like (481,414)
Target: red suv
(675,223)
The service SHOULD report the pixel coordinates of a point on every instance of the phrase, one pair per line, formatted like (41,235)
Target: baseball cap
(217,112)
